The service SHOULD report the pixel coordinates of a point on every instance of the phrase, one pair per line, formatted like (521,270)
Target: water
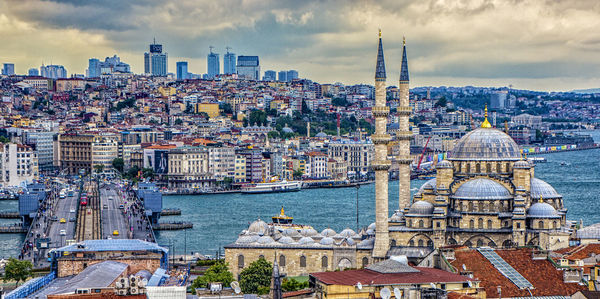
(218,219)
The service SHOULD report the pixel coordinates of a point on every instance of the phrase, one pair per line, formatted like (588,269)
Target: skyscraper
(229,62)
(212,64)
(33,72)
(248,67)
(93,68)
(53,71)
(282,76)
(291,75)
(155,61)
(182,70)
(8,69)
(108,66)
(270,76)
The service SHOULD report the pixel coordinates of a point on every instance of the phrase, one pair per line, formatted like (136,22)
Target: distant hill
(591,90)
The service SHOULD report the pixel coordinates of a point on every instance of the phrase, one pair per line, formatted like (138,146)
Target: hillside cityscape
(248,182)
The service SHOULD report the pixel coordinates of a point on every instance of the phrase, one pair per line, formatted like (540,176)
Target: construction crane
(211,48)
(228,48)
(423,153)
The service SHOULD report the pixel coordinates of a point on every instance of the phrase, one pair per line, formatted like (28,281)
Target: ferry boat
(272,187)
(282,222)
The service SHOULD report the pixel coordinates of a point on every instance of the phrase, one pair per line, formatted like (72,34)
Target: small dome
(328,232)
(265,240)
(372,226)
(350,242)
(306,240)
(486,144)
(245,239)
(519,211)
(321,135)
(287,130)
(347,233)
(444,164)
(326,241)
(258,227)
(290,232)
(367,242)
(421,208)
(309,232)
(285,240)
(522,164)
(397,217)
(542,189)
(429,185)
(338,237)
(370,232)
(482,189)
(542,210)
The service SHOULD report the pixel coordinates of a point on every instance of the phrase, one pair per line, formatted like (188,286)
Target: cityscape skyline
(551,51)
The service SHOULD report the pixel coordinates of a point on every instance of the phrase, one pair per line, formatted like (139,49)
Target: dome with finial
(258,227)
(485,144)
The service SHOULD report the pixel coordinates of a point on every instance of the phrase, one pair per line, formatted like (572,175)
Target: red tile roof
(368,277)
(582,252)
(546,279)
(297,293)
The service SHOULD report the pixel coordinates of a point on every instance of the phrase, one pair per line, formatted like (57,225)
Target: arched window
(498,167)
(541,224)
(481,206)
(479,243)
(480,223)
(468,244)
(489,224)
(491,244)
(507,167)
(324,262)
(472,223)
(392,243)
(478,168)
(365,261)
(507,244)
(468,168)
(429,243)
(420,243)
(411,243)
(488,167)
(471,206)
(282,260)
(554,224)
(302,261)
(420,223)
(261,257)
(240,261)
(501,206)
(459,168)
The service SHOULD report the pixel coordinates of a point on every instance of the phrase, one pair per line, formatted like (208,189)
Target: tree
(118,164)
(257,117)
(305,109)
(290,285)
(17,270)
(442,102)
(203,115)
(178,122)
(298,174)
(4,139)
(148,173)
(99,168)
(340,102)
(273,134)
(216,273)
(226,107)
(257,277)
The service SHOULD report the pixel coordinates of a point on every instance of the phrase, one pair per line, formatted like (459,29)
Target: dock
(170,212)
(172,225)
(10,215)
(13,229)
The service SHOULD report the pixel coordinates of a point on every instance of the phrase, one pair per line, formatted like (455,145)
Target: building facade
(155,61)
(229,63)
(212,65)
(248,67)
(182,70)
(75,153)
(357,154)
(18,165)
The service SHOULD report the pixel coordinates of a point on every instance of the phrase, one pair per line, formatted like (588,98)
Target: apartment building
(18,165)
(75,153)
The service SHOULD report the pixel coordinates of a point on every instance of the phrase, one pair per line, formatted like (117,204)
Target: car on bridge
(63,232)
(72,219)
(115,232)
(72,211)
(63,220)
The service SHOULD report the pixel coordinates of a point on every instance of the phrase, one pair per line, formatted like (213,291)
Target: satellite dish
(236,287)
(432,285)
(359,285)
(385,293)
(464,267)
(397,293)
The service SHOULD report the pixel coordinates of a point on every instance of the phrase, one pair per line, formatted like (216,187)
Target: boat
(283,222)
(272,187)
(536,160)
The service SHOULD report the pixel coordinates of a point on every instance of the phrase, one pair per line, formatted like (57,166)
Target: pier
(172,225)
(13,229)
(10,215)
(170,212)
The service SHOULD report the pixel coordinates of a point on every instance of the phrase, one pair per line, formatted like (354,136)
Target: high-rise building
(53,71)
(291,75)
(270,76)
(8,69)
(93,70)
(155,61)
(229,62)
(282,76)
(212,64)
(182,70)
(33,72)
(498,99)
(248,67)
(110,65)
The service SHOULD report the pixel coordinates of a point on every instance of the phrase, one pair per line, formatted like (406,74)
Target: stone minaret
(404,135)
(381,164)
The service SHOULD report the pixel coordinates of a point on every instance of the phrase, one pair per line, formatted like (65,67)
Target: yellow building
(240,169)
(167,91)
(212,109)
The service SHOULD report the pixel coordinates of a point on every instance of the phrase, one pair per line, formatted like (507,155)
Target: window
(429,243)
(477,168)
(420,243)
(282,260)
(518,224)
(420,223)
(480,206)
(480,223)
(489,224)
(541,224)
(507,167)
(392,243)
(411,243)
(365,261)
(488,167)
(437,224)
(554,224)
(261,257)
(303,261)
(471,209)
(240,261)
(324,262)
(472,223)
(468,168)
(479,243)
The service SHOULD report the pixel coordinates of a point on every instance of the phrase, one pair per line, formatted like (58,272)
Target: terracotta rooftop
(583,251)
(368,277)
(297,293)
(546,279)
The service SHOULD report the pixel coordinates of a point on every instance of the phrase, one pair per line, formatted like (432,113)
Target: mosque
(484,194)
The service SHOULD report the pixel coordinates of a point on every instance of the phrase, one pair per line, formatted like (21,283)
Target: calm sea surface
(219,218)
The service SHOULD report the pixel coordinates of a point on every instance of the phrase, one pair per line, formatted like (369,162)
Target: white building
(221,162)
(18,165)
(105,148)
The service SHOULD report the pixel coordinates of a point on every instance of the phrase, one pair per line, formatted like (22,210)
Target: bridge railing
(31,286)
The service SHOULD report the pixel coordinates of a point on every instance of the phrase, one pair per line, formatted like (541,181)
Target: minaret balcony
(401,159)
(404,110)
(381,111)
(381,165)
(381,138)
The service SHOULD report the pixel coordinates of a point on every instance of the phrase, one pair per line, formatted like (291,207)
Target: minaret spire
(380,163)
(404,135)
(404,66)
(486,123)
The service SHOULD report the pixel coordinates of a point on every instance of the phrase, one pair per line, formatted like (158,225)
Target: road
(113,218)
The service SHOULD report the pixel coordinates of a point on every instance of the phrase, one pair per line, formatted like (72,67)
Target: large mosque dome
(482,189)
(486,144)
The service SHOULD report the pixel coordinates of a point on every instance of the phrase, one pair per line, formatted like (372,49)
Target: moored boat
(272,187)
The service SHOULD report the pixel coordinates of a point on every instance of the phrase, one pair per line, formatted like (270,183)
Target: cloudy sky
(530,44)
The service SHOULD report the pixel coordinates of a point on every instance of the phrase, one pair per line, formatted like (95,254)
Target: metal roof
(113,245)
(486,144)
(542,189)
(478,189)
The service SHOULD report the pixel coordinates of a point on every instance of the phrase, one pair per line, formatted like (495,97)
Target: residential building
(188,168)
(248,67)
(43,146)
(212,63)
(316,165)
(110,65)
(253,164)
(155,61)
(229,62)
(69,84)
(212,109)
(221,161)
(53,71)
(498,99)
(358,155)
(93,70)
(240,169)
(270,76)
(39,82)
(338,170)
(182,70)
(282,76)
(18,165)
(33,72)
(8,69)
(75,153)
(291,75)
(105,148)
